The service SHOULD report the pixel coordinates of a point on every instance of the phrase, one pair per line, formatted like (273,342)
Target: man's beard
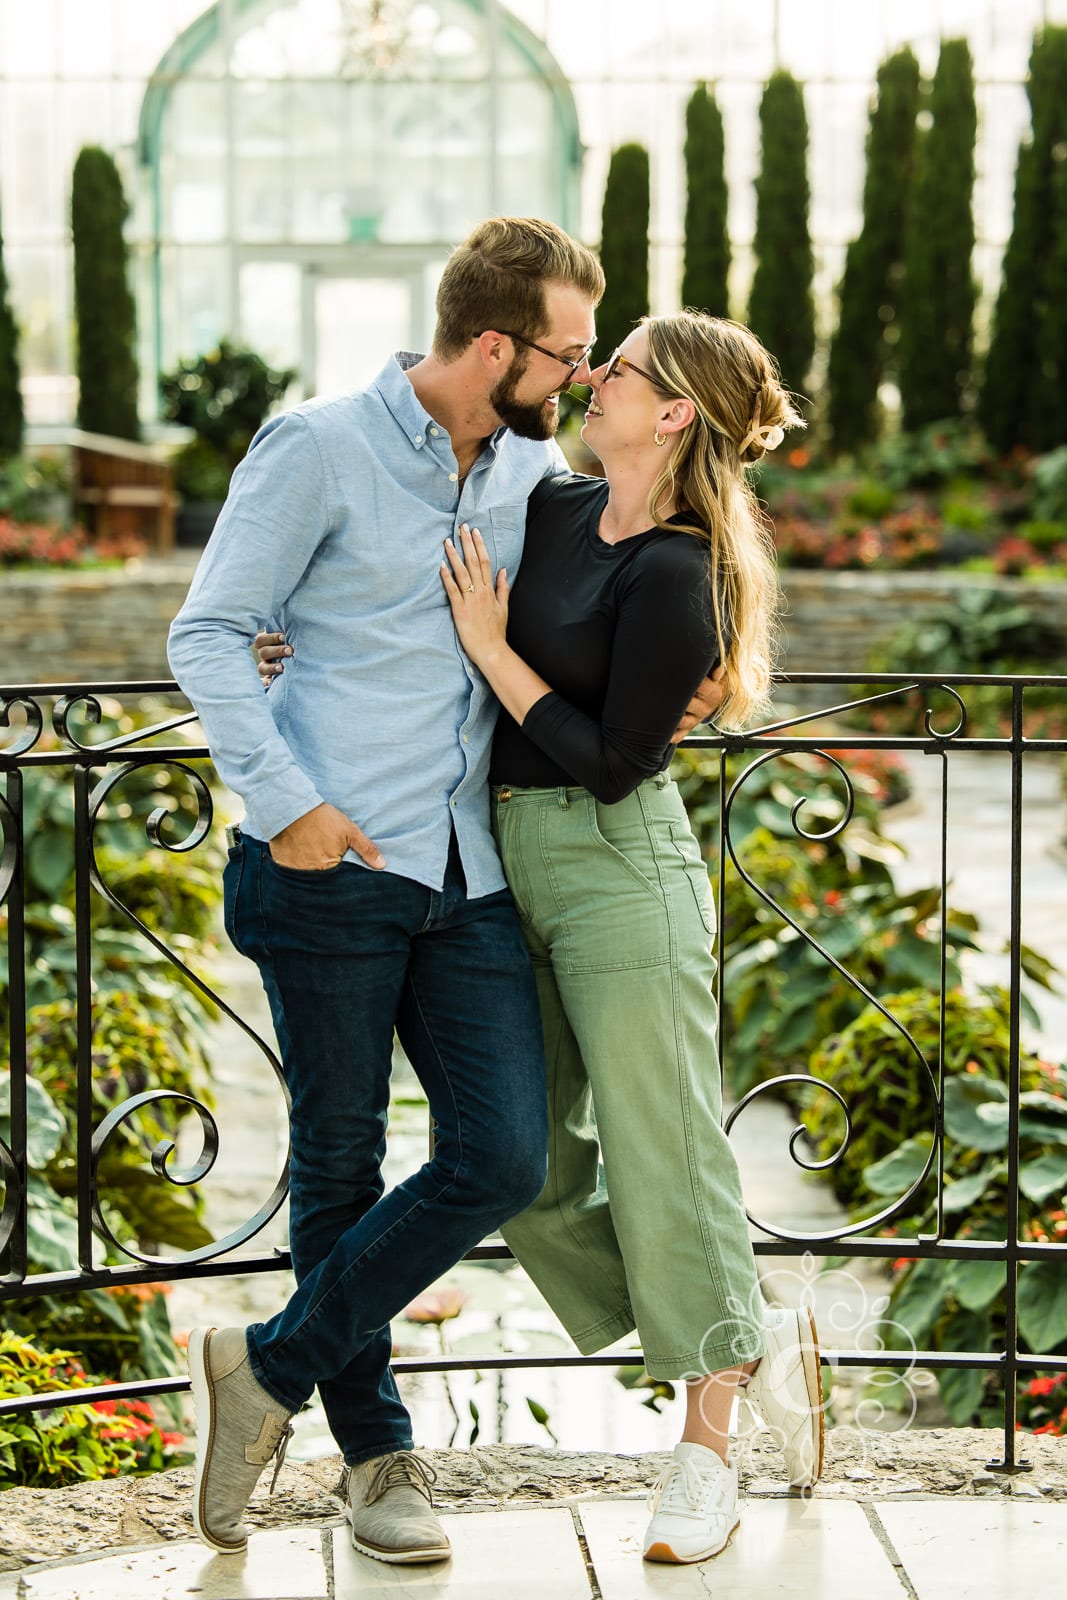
(528,421)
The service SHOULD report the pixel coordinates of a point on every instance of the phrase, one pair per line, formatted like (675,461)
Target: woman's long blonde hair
(741,408)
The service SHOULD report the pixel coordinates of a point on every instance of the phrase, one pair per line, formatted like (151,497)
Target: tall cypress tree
(706,271)
(624,245)
(11,415)
(782,305)
(874,261)
(1014,406)
(939,290)
(103,303)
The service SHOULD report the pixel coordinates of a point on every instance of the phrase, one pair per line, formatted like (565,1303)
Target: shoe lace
(281,1445)
(402,1469)
(684,1486)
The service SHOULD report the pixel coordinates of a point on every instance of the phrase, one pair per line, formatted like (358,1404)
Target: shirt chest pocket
(503,529)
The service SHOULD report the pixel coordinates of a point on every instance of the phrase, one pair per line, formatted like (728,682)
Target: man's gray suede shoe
(239,1427)
(390,1508)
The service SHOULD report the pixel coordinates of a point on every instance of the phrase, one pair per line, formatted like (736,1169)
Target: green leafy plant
(1049,475)
(201,472)
(30,487)
(76,1443)
(959,1305)
(149,1033)
(888,1093)
(224,396)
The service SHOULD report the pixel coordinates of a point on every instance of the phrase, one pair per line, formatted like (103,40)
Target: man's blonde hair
(497,278)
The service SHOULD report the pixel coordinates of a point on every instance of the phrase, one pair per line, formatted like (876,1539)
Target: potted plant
(223,397)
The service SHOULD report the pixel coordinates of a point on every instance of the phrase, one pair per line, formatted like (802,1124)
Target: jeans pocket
(302,874)
(696,871)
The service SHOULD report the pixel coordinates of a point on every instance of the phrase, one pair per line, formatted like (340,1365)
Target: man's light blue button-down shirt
(334,530)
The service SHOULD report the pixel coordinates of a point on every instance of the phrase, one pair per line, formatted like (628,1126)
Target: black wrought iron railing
(47,738)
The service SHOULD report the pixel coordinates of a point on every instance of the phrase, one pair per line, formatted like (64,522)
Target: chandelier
(373,34)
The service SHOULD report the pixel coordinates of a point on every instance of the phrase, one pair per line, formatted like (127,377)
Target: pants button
(505,794)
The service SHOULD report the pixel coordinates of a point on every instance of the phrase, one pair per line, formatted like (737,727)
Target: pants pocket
(625,841)
(696,871)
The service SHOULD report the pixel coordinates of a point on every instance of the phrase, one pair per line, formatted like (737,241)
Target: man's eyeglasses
(619,360)
(572,366)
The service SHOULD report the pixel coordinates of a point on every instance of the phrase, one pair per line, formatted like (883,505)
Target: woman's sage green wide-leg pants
(641,1222)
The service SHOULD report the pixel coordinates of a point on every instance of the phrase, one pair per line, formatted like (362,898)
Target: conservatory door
(351,326)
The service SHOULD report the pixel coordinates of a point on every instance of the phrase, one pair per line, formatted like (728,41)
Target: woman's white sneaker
(786,1392)
(695,1507)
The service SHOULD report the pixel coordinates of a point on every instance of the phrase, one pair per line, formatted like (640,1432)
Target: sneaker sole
(663,1552)
(813,1383)
(398,1558)
(204,1401)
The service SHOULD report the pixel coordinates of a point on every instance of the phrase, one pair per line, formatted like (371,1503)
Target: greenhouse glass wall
(299,170)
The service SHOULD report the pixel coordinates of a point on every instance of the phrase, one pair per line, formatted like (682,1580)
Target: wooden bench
(126,487)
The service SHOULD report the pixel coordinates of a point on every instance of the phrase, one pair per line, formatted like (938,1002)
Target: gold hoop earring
(659,438)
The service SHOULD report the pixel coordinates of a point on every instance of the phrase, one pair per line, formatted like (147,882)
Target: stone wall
(834,618)
(66,627)
(79,626)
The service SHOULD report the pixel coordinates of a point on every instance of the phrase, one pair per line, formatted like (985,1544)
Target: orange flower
(798,458)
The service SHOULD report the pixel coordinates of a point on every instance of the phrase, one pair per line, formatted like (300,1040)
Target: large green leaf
(966,1098)
(45,1125)
(897,1171)
(49,861)
(917,1304)
(962,1194)
(962,1389)
(977,1283)
(1046,1123)
(1043,1303)
(51,1230)
(1043,1176)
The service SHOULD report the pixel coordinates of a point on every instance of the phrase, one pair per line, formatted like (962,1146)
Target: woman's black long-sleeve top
(623,632)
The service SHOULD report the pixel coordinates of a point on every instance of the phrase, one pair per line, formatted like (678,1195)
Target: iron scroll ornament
(119,1114)
(799,1132)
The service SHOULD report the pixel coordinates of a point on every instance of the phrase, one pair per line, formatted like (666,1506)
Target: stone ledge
(46,1525)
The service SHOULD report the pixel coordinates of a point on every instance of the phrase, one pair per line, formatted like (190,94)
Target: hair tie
(768,435)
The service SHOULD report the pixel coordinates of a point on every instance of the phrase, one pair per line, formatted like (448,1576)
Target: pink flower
(436,1306)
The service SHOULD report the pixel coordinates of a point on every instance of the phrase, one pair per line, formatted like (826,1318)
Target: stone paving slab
(957,1550)
(525,1555)
(285,1565)
(796,1549)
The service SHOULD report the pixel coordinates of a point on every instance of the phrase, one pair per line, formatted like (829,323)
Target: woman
(632,588)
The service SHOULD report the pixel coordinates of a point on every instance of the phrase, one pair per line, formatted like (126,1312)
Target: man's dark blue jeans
(346,955)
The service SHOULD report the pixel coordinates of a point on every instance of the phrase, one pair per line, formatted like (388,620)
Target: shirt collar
(406,407)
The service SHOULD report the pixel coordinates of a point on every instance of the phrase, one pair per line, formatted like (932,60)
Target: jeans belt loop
(561,798)
(662,779)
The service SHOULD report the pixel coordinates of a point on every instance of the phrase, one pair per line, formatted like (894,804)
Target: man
(364,882)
